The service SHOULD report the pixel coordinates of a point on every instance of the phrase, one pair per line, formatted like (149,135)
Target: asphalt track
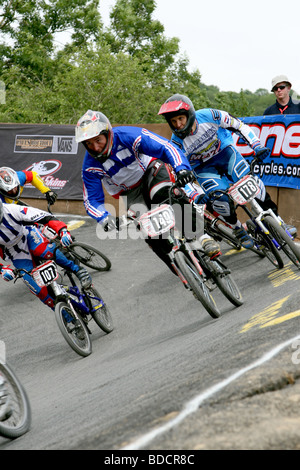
(169,376)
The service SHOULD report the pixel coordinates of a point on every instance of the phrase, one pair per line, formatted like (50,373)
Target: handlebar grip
(260,152)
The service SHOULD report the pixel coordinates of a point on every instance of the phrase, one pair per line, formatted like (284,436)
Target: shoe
(241,234)
(290,228)
(210,247)
(78,330)
(68,318)
(84,277)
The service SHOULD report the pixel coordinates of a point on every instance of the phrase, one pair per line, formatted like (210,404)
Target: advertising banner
(50,150)
(280,133)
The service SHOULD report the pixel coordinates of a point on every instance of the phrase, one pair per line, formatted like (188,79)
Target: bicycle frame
(46,275)
(161,221)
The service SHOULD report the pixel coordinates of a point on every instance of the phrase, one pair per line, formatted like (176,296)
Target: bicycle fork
(259,220)
(188,251)
(70,299)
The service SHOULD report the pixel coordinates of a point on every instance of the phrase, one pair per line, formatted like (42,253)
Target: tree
(236,104)
(135,32)
(28,29)
(126,72)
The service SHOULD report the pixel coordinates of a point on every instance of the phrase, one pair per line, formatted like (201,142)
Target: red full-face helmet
(176,105)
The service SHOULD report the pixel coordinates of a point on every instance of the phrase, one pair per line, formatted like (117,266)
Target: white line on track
(193,405)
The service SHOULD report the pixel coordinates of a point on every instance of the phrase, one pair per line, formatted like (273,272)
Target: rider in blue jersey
(132,162)
(205,138)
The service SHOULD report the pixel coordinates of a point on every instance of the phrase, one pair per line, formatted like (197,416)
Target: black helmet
(175,105)
(92,124)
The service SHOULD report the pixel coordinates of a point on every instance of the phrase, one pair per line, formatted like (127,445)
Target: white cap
(279,79)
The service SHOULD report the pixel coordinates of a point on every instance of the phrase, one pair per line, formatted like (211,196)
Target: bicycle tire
(226,284)
(228,237)
(196,283)
(101,315)
(90,256)
(288,246)
(18,421)
(81,345)
(266,245)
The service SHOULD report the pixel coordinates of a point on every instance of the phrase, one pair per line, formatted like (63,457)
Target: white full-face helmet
(9,183)
(92,124)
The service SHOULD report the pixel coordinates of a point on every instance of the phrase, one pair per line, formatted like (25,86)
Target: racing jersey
(212,135)
(27,177)
(13,231)
(133,150)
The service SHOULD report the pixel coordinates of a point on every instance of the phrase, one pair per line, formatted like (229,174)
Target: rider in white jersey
(205,138)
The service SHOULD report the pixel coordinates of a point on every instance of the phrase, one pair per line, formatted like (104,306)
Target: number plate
(158,221)
(45,274)
(244,190)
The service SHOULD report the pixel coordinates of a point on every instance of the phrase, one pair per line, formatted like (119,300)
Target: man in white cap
(284,105)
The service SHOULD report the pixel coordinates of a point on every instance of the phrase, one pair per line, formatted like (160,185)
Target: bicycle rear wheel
(90,256)
(15,418)
(73,330)
(288,246)
(226,283)
(99,310)
(196,283)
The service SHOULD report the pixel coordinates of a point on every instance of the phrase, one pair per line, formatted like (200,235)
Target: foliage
(28,31)
(127,70)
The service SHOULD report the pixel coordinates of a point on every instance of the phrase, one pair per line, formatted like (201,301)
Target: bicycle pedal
(96,307)
(210,284)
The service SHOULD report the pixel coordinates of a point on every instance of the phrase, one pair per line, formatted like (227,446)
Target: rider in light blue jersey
(205,138)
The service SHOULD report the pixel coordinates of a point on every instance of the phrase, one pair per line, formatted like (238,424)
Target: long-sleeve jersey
(13,229)
(212,135)
(28,177)
(133,150)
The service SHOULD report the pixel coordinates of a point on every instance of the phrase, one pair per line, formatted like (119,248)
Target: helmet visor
(89,129)
(174,107)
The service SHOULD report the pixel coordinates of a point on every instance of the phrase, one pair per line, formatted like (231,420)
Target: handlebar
(256,159)
(48,207)
(17,272)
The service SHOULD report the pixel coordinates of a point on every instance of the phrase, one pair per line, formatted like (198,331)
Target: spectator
(281,87)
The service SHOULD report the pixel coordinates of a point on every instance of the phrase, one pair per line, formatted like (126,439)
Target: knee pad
(40,292)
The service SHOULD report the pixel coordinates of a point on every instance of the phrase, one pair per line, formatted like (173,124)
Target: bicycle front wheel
(196,283)
(264,245)
(288,246)
(73,329)
(90,256)
(15,419)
